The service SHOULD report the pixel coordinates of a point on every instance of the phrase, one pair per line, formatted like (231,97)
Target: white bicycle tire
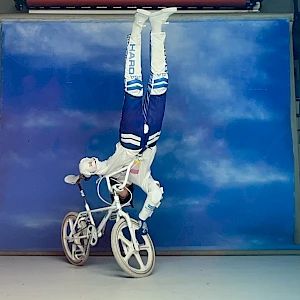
(121,260)
(64,240)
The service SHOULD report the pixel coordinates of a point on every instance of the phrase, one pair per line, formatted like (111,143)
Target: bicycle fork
(91,229)
(121,213)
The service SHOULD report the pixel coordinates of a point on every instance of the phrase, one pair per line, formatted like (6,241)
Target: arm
(121,157)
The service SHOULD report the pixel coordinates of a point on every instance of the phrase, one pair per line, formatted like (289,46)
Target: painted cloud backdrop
(225,155)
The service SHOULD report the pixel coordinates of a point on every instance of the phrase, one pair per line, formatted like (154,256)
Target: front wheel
(135,263)
(74,239)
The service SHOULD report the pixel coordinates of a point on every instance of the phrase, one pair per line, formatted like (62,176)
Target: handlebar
(120,187)
(76,179)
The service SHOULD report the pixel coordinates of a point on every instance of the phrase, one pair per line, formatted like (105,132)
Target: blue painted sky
(225,155)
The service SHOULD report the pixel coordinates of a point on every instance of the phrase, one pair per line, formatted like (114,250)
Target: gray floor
(202,277)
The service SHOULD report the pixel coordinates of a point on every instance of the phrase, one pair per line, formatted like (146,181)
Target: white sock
(156,27)
(136,29)
(159,18)
(140,18)
(158,58)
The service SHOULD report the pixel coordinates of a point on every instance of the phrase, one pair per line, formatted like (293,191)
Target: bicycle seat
(71,179)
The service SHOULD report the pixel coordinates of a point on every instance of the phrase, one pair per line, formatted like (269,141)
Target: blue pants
(142,115)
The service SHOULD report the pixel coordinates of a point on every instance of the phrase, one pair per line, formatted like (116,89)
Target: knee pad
(154,197)
(157,194)
(153,201)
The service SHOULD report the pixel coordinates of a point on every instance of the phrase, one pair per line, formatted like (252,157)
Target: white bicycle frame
(115,206)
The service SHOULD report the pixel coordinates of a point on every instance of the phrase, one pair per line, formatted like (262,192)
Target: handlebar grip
(82,177)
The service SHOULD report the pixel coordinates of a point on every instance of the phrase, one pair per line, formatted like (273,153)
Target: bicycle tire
(68,254)
(121,260)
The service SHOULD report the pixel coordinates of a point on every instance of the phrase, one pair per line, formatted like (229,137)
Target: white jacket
(140,173)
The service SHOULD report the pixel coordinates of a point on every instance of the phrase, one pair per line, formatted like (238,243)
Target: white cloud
(173,145)
(203,66)
(14,157)
(227,172)
(22,161)
(37,222)
(100,120)
(49,41)
(199,136)
(207,160)
(31,221)
(200,67)
(40,120)
(35,119)
(216,78)
(198,204)
(200,63)
(224,101)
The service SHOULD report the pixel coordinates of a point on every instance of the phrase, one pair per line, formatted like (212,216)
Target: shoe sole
(143,12)
(164,10)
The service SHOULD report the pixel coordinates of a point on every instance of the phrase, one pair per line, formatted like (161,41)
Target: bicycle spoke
(71,224)
(82,249)
(140,261)
(128,255)
(68,239)
(73,250)
(145,247)
(124,240)
(125,248)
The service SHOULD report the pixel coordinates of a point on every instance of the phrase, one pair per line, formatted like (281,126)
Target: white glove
(88,166)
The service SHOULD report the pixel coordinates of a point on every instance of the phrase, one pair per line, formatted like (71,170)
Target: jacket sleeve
(118,160)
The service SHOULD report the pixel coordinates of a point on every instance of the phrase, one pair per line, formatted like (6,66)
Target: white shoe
(143,12)
(141,16)
(162,15)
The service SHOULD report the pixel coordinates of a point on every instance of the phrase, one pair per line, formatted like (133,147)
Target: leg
(154,195)
(153,110)
(132,122)
(155,101)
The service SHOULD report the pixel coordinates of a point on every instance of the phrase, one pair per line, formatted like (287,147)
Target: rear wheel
(135,263)
(76,246)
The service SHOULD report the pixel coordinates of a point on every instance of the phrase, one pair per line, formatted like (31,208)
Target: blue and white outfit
(141,120)
(142,116)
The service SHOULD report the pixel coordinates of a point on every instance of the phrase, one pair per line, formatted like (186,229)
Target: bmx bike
(79,230)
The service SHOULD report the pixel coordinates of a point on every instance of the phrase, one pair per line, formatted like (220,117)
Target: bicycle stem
(127,168)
